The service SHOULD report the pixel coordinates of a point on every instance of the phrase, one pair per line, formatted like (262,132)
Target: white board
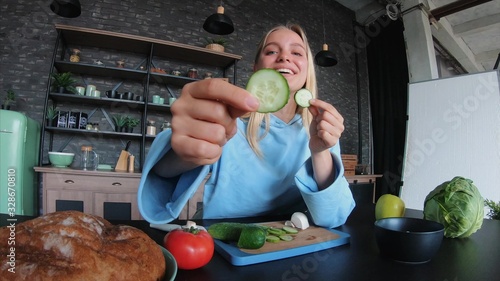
(453,130)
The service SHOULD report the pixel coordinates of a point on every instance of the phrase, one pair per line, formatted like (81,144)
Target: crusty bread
(71,245)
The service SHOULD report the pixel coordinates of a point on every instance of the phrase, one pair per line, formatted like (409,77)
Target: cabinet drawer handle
(116,184)
(69,181)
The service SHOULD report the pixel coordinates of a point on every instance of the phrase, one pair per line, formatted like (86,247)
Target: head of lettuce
(458,205)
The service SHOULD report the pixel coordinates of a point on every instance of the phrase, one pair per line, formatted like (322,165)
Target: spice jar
(151,129)
(89,126)
(75,55)
(193,73)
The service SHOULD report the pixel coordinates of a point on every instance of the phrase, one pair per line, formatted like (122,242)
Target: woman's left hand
(326,127)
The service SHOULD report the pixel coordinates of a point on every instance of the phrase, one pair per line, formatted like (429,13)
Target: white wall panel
(453,130)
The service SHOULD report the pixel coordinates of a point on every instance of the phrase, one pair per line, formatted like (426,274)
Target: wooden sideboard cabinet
(111,195)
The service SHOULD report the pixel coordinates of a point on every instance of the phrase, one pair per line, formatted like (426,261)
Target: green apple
(389,205)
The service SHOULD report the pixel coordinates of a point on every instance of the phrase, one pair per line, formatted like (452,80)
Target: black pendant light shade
(325,57)
(219,23)
(67,9)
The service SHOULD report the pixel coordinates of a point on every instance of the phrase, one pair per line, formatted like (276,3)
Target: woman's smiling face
(285,52)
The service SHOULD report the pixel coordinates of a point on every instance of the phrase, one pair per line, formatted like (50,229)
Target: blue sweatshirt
(243,185)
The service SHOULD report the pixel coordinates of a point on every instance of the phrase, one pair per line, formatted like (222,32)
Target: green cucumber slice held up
(302,97)
(271,89)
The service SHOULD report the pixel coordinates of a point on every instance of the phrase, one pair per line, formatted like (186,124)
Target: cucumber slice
(275,231)
(286,237)
(271,88)
(272,239)
(290,230)
(302,97)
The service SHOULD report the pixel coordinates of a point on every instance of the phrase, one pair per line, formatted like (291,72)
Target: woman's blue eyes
(275,52)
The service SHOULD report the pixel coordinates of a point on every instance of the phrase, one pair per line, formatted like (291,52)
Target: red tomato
(192,248)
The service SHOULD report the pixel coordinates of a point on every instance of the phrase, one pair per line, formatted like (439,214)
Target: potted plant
(120,122)
(216,44)
(494,212)
(132,123)
(9,99)
(63,83)
(51,115)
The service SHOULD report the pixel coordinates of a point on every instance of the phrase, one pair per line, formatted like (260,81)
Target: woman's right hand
(204,119)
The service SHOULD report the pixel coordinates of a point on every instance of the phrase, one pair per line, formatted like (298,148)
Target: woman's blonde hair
(255,119)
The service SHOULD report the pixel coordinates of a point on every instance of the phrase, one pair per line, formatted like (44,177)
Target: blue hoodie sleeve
(331,206)
(160,199)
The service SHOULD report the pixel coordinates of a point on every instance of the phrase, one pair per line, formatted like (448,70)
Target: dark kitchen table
(473,258)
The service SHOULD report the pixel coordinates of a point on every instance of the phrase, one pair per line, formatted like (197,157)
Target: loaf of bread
(71,245)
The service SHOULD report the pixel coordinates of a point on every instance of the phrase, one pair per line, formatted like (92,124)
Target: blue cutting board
(309,240)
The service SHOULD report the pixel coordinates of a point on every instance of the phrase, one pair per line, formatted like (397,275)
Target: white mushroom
(299,220)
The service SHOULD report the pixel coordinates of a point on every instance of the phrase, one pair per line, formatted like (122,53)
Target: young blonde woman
(259,164)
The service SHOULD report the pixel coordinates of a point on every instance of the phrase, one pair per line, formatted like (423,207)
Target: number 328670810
(11,191)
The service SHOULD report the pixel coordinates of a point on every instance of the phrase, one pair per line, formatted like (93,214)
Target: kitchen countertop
(473,258)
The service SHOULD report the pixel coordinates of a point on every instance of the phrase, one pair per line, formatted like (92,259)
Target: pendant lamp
(325,57)
(67,9)
(219,23)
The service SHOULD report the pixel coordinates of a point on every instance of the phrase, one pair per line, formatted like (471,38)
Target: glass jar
(193,73)
(89,159)
(151,129)
(75,55)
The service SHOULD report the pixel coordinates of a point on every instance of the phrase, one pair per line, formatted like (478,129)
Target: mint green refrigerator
(19,151)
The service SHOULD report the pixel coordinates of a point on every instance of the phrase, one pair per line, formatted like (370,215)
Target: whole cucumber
(226,231)
(252,237)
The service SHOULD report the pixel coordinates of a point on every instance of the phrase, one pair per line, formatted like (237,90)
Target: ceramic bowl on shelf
(408,240)
(61,159)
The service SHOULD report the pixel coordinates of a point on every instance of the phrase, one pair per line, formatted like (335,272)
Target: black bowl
(408,240)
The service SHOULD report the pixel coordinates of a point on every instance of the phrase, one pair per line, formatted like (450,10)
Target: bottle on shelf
(131,160)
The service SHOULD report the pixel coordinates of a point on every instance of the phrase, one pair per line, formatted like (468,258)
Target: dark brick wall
(27,37)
